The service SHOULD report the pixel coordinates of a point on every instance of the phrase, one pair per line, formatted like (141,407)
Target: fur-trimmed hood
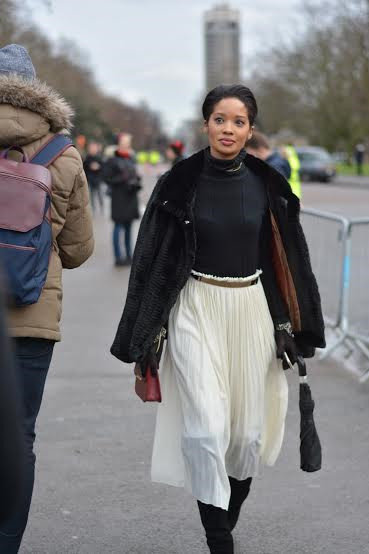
(18,97)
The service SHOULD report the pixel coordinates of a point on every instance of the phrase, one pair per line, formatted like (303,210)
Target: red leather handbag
(148,389)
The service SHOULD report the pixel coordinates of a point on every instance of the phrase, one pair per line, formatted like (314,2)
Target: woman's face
(228,128)
(125,141)
(170,154)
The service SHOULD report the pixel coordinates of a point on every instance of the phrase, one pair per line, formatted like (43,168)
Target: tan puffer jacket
(30,113)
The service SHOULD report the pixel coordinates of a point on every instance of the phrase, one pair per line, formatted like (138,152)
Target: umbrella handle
(286,357)
(302,366)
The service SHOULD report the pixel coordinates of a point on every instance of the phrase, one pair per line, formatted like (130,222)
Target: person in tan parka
(30,114)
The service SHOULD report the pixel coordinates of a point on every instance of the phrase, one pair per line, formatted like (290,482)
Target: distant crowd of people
(117,170)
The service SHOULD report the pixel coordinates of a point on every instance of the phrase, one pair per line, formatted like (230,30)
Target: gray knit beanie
(15,59)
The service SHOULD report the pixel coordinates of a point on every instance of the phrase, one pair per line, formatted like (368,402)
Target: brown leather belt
(228,284)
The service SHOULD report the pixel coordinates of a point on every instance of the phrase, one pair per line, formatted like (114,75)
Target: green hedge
(345,169)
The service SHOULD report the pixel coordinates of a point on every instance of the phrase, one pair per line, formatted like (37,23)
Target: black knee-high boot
(216,525)
(239,493)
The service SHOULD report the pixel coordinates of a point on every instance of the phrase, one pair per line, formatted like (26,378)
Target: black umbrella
(310,447)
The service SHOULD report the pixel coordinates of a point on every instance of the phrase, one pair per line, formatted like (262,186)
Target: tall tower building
(222,46)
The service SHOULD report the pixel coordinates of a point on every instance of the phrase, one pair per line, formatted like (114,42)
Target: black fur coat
(165,254)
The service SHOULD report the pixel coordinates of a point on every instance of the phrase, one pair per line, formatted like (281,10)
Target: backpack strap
(54,148)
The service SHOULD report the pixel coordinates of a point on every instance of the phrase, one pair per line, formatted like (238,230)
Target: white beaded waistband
(229,279)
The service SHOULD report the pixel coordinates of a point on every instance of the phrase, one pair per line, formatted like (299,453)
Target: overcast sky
(153,49)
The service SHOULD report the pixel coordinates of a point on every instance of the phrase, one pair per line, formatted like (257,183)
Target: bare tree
(7,20)
(65,67)
(319,86)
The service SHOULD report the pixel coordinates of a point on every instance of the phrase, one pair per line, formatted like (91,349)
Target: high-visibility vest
(142,157)
(294,162)
(154,157)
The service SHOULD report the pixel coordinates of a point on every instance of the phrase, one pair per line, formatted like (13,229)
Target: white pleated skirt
(224,392)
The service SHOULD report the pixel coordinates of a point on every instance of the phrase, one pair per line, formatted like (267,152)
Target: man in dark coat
(259,146)
(121,176)
(165,254)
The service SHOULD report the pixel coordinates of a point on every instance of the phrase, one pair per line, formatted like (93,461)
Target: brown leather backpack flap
(23,190)
(284,277)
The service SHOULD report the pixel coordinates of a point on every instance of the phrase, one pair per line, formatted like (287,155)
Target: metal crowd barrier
(339,249)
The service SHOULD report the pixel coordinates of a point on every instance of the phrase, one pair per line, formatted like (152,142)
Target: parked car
(316,164)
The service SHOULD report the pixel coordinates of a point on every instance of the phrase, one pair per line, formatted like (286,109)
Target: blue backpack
(25,219)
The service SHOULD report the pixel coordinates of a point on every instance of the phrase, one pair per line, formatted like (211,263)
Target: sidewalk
(93,494)
(351,181)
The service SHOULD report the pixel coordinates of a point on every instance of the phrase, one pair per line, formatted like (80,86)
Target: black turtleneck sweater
(233,227)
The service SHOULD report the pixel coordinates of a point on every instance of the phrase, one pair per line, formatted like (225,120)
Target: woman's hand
(152,358)
(286,343)
(150,361)
(138,372)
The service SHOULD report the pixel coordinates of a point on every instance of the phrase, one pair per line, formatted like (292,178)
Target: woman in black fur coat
(222,267)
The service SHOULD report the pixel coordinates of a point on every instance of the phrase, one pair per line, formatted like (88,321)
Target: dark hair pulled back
(220,92)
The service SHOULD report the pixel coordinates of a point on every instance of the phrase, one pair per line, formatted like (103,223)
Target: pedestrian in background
(259,146)
(154,157)
(294,161)
(93,165)
(31,113)
(359,158)
(174,152)
(221,266)
(121,176)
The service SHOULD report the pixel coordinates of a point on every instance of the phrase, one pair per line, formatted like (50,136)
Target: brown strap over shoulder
(284,277)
